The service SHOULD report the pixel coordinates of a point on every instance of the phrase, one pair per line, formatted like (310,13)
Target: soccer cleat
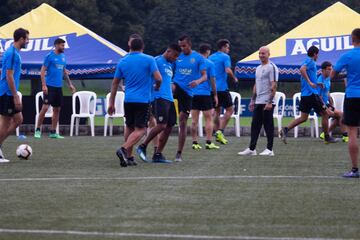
(55,136)
(131,161)
(2,158)
(330,140)
(322,136)
(219,136)
(351,174)
(247,152)
(121,153)
(283,135)
(178,157)
(345,139)
(141,151)
(267,152)
(211,146)
(196,146)
(37,134)
(159,158)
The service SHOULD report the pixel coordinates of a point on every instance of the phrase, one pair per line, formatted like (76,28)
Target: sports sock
(195,142)
(52,131)
(38,129)
(345,134)
(354,170)
(208,141)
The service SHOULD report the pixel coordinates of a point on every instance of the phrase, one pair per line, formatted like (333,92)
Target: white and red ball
(24,151)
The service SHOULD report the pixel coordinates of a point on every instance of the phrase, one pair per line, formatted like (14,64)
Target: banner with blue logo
(87,54)
(329,31)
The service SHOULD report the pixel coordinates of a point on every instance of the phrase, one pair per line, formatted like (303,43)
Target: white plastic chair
(87,101)
(313,118)
(119,111)
(236,99)
(18,128)
(338,99)
(278,115)
(48,114)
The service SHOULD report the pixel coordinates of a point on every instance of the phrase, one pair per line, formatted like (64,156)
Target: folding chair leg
(77,120)
(72,126)
(92,126)
(105,125)
(111,125)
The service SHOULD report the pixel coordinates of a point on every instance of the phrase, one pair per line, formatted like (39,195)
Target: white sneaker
(3,160)
(267,152)
(247,152)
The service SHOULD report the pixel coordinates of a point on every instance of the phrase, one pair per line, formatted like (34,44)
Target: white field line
(147,235)
(164,178)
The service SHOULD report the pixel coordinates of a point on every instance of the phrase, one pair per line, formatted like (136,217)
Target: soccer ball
(24,151)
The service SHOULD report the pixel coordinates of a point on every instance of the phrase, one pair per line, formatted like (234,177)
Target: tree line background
(248,24)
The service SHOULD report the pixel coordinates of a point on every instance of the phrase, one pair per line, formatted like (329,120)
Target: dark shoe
(159,158)
(121,153)
(131,162)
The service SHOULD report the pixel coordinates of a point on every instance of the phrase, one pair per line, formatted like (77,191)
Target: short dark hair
(185,37)
(356,35)
(137,44)
(135,36)
(222,42)
(175,47)
(20,33)
(312,51)
(59,41)
(325,64)
(204,47)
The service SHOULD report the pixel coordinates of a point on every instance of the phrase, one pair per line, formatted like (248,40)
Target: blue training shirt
(351,62)
(137,70)
(306,89)
(11,60)
(324,92)
(55,65)
(187,69)
(166,72)
(221,61)
(204,88)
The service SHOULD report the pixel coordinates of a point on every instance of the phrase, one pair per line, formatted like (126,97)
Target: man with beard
(10,103)
(52,73)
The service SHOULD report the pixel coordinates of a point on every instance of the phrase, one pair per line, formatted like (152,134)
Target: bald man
(262,104)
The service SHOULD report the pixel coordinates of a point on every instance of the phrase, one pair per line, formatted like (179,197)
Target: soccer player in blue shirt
(222,62)
(324,84)
(52,74)
(10,102)
(190,71)
(350,61)
(310,97)
(163,106)
(138,71)
(204,101)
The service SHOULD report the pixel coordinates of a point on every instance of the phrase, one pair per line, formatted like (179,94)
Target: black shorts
(225,99)
(7,106)
(136,114)
(164,112)
(351,115)
(311,102)
(54,96)
(184,100)
(202,102)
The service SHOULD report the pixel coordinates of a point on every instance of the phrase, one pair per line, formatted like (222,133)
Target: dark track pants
(261,117)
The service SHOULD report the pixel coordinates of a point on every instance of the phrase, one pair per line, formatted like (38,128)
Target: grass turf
(255,206)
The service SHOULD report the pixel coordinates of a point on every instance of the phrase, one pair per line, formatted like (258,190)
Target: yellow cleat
(345,139)
(211,146)
(220,137)
(196,146)
(322,136)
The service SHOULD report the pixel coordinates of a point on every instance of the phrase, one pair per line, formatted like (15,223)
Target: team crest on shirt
(161,118)
(192,60)
(63,59)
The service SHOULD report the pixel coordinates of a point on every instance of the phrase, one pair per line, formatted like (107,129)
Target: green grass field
(75,189)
